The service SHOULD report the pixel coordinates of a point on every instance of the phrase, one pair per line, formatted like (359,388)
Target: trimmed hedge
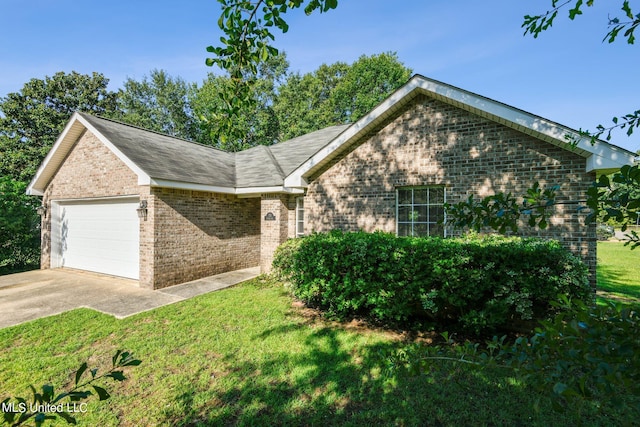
(477,283)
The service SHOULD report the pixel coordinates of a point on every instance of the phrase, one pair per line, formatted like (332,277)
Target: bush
(477,283)
(604,231)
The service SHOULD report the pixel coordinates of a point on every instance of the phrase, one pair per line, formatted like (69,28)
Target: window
(299,216)
(419,211)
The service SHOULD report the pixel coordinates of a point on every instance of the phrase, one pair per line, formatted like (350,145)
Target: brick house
(125,201)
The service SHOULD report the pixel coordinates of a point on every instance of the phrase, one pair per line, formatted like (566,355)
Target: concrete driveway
(39,293)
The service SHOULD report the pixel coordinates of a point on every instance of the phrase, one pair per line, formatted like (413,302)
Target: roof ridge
(274,161)
(108,119)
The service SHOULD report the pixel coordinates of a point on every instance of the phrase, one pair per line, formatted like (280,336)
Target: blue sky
(567,75)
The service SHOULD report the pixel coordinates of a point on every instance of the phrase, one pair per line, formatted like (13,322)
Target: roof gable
(164,161)
(601,156)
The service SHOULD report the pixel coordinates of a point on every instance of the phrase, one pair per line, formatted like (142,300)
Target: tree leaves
(247,43)
(33,118)
(46,405)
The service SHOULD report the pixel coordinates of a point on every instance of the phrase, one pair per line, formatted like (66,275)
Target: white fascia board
(298,177)
(64,142)
(248,191)
(263,190)
(610,161)
(143,178)
(164,183)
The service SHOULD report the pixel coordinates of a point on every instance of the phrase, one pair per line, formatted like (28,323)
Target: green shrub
(478,283)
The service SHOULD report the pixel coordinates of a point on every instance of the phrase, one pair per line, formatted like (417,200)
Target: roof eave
(238,191)
(63,146)
(71,132)
(600,156)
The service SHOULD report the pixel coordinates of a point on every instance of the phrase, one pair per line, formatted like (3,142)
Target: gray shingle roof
(264,166)
(163,157)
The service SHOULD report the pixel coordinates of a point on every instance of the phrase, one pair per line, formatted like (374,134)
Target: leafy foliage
(536,24)
(583,354)
(19,228)
(367,83)
(609,198)
(338,93)
(47,405)
(253,126)
(159,103)
(247,42)
(305,101)
(480,284)
(32,119)
(618,198)
(502,212)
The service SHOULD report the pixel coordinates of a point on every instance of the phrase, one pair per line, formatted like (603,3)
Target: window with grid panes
(420,211)
(299,216)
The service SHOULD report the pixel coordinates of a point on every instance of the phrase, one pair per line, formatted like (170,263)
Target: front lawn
(619,271)
(248,355)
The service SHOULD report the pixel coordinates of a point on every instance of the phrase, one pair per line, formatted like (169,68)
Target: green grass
(619,271)
(248,356)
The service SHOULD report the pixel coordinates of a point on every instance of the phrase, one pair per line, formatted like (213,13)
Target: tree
(246,44)
(32,119)
(338,93)
(304,101)
(366,84)
(30,122)
(19,228)
(160,103)
(256,124)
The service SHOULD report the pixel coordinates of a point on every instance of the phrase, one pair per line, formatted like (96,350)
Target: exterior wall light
(142,210)
(41,210)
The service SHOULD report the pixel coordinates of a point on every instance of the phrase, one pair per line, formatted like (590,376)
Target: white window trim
(418,187)
(299,208)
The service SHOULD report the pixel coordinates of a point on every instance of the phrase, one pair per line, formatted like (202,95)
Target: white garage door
(98,235)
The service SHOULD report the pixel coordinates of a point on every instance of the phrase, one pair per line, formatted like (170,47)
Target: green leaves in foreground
(617,197)
(502,212)
(246,43)
(46,405)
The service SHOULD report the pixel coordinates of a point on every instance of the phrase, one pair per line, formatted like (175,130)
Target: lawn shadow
(328,378)
(610,279)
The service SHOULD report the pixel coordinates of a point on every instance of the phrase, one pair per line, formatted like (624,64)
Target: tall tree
(249,28)
(367,83)
(305,101)
(256,124)
(338,93)
(160,103)
(19,227)
(32,119)
(30,122)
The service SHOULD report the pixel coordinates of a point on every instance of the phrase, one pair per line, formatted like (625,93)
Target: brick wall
(187,234)
(432,143)
(90,170)
(275,231)
(198,234)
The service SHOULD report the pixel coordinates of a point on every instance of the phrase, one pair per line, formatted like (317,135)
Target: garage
(100,235)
